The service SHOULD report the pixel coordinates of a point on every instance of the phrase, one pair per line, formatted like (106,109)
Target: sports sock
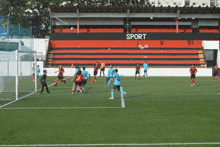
(192,82)
(112,94)
(216,79)
(83,89)
(93,80)
(56,83)
(42,89)
(135,76)
(122,91)
(47,88)
(109,82)
(213,78)
(146,75)
(78,87)
(105,83)
(74,89)
(139,77)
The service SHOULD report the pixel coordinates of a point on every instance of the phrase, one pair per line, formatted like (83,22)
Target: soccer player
(33,73)
(96,68)
(38,71)
(138,71)
(116,84)
(215,70)
(146,66)
(85,75)
(193,71)
(78,81)
(43,82)
(102,69)
(77,69)
(60,76)
(110,76)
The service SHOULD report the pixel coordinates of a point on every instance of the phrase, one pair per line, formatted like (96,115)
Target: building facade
(187,3)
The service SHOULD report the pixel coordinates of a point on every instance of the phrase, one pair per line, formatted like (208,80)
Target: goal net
(18,74)
(16,61)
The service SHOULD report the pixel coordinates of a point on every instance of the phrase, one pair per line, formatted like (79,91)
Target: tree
(29,13)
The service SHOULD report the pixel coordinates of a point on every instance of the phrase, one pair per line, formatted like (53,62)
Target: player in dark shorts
(96,68)
(193,72)
(78,81)
(60,76)
(43,82)
(215,70)
(138,68)
(102,69)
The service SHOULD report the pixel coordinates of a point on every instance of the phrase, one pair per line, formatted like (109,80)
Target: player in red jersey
(96,68)
(138,68)
(215,70)
(79,80)
(193,72)
(60,76)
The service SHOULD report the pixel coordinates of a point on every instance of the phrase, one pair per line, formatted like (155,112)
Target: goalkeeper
(43,82)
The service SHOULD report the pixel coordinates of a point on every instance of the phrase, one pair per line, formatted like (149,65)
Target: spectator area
(126,53)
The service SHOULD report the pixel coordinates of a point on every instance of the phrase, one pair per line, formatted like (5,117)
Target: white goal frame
(16,77)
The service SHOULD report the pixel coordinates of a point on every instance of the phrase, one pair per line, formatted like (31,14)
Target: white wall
(41,45)
(131,71)
(24,69)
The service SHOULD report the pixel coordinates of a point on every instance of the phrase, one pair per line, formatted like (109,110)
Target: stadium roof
(135,9)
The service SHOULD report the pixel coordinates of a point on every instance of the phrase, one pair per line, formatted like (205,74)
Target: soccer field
(159,111)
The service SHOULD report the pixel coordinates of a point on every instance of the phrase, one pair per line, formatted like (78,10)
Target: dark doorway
(210,58)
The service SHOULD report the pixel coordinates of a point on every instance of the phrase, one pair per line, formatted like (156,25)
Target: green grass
(158,110)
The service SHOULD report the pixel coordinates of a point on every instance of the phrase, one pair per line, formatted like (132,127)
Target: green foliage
(29,13)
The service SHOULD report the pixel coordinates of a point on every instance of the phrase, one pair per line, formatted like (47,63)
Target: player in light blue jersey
(146,66)
(110,76)
(38,70)
(77,68)
(85,75)
(116,84)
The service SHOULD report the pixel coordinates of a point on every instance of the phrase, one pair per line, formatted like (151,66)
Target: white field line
(122,99)
(117,144)
(166,80)
(26,96)
(20,108)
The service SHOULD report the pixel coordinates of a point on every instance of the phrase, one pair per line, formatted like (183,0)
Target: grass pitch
(157,110)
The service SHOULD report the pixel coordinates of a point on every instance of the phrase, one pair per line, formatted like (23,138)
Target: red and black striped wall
(164,50)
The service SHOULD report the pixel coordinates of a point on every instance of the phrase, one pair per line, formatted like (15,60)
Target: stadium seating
(126,53)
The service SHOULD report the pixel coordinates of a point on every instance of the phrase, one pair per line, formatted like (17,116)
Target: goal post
(19,66)
(16,76)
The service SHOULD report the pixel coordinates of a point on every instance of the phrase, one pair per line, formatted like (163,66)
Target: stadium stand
(174,39)
(125,53)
